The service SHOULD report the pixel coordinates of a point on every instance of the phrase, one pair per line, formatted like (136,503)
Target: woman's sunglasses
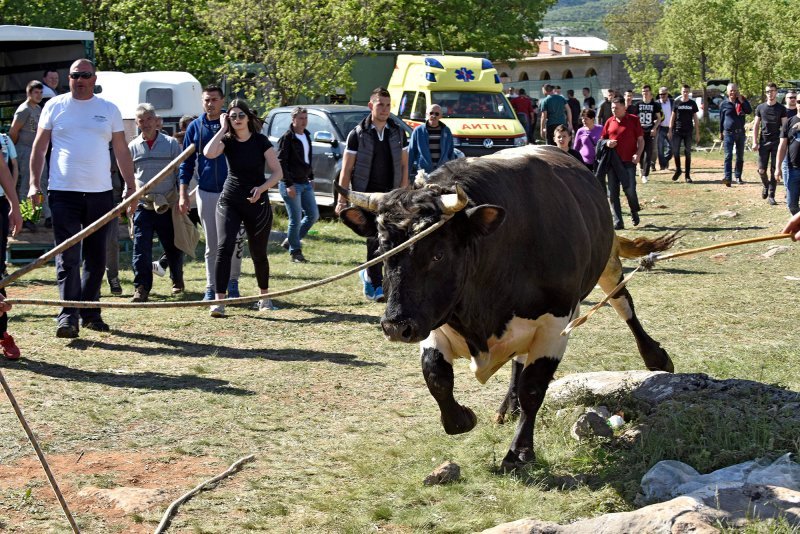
(240,115)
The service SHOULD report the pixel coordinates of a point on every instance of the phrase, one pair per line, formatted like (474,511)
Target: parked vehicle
(469,91)
(172,93)
(328,126)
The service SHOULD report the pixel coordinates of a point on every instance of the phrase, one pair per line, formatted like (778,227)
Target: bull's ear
(357,221)
(485,219)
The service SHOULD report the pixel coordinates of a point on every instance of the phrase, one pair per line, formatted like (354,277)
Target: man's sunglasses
(434,113)
(662,94)
(240,115)
(83,74)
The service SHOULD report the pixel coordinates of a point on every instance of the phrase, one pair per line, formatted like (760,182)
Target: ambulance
(469,91)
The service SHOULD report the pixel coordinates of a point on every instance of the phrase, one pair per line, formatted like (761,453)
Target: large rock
(651,388)
(698,514)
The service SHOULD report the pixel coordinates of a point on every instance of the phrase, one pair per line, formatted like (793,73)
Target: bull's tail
(642,246)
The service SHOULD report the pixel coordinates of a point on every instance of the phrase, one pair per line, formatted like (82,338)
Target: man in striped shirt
(431,144)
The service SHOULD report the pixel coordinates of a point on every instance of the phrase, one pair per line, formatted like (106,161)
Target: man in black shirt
(575,109)
(588,99)
(649,112)
(770,118)
(731,131)
(605,108)
(682,123)
(375,161)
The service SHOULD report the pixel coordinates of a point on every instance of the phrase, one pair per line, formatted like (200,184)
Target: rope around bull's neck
(233,301)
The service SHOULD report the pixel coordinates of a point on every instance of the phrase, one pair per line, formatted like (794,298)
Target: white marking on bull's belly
(533,338)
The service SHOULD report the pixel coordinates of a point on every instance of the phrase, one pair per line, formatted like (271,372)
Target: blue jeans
(72,212)
(791,179)
(302,210)
(730,139)
(145,223)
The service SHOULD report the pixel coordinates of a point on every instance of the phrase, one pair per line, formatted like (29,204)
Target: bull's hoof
(514,461)
(462,420)
(659,360)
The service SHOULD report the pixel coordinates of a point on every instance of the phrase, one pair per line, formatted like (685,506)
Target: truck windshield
(472,105)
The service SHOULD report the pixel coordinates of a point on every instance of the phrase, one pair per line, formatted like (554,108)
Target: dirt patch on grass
(97,471)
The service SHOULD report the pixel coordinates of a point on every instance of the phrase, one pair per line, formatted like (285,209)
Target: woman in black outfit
(244,198)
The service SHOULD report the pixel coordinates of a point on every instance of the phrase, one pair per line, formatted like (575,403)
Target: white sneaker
(217,310)
(158,269)
(265,305)
(644,179)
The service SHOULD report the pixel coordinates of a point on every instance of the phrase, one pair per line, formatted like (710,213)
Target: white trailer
(172,93)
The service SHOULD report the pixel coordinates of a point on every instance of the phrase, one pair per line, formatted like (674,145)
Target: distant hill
(577,17)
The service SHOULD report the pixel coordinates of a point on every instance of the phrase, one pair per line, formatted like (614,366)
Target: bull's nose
(399,331)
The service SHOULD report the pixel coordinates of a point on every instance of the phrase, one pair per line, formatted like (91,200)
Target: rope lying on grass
(648,263)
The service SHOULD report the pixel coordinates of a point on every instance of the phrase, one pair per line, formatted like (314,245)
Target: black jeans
(686,139)
(628,184)
(257,219)
(768,154)
(647,155)
(72,212)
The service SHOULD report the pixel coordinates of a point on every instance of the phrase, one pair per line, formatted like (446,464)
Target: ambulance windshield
(458,104)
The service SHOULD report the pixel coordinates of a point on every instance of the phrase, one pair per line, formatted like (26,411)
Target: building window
(567,75)
(544,75)
(590,73)
(523,77)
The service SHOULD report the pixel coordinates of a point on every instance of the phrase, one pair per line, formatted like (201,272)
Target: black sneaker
(676,175)
(67,331)
(178,287)
(115,286)
(764,192)
(688,179)
(297,257)
(98,326)
(619,226)
(771,201)
(726,183)
(739,181)
(635,219)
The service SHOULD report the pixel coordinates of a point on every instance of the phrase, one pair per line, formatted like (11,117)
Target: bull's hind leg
(510,404)
(438,373)
(655,358)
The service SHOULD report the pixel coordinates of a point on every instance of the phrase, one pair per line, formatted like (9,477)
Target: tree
(502,29)
(633,30)
(280,50)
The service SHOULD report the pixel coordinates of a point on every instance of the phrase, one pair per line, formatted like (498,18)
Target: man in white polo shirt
(80,125)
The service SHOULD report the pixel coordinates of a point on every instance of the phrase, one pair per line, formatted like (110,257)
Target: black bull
(529,235)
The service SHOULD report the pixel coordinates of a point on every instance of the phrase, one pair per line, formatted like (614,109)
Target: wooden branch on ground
(173,508)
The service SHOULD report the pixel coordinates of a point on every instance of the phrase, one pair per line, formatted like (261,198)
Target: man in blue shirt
(732,114)
(431,144)
(211,174)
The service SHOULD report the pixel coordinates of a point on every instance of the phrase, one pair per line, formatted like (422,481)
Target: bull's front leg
(438,373)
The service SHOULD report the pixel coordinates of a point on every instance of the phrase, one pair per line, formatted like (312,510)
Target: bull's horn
(367,201)
(454,202)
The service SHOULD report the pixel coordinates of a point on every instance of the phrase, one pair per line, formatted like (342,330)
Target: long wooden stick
(102,221)
(648,261)
(39,453)
(162,527)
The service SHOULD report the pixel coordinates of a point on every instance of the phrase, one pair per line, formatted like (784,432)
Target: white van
(172,93)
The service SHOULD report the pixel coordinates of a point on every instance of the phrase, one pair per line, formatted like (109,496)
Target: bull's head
(424,283)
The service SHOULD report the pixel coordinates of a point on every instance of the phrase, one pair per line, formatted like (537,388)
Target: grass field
(341,422)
